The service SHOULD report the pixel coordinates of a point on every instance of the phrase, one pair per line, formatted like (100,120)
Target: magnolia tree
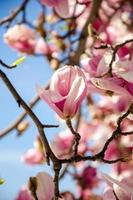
(88,44)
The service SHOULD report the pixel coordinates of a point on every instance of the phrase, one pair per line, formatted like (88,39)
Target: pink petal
(121,187)
(62,8)
(50,97)
(108,194)
(111,84)
(45,186)
(75,96)
(103,65)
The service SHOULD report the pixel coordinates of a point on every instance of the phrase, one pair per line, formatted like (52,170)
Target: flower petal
(45,186)
(51,99)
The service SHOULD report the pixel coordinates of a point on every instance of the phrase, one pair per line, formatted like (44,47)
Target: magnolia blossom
(67,90)
(21,38)
(66,8)
(120,84)
(35,155)
(44,48)
(117,86)
(61,7)
(45,186)
(24,194)
(62,144)
(123,188)
(87,180)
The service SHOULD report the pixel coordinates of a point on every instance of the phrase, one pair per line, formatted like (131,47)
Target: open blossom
(66,8)
(60,6)
(122,188)
(67,90)
(21,38)
(120,84)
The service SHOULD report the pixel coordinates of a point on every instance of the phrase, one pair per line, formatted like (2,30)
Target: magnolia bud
(23,126)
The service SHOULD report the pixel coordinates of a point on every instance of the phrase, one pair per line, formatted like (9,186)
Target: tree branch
(40,127)
(14,14)
(100,156)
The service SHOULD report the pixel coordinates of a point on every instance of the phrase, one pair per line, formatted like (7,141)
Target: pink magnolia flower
(21,38)
(36,155)
(117,86)
(120,84)
(44,48)
(87,180)
(45,186)
(62,144)
(33,157)
(124,69)
(122,188)
(112,151)
(60,6)
(67,90)
(24,194)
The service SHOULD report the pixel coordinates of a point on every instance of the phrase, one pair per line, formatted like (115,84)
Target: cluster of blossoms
(24,39)
(101,84)
(68,87)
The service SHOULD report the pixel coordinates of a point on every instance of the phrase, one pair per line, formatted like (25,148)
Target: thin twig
(6,66)
(100,156)
(76,136)
(14,14)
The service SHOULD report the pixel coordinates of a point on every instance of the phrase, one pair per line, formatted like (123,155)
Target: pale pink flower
(117,86)
(66,8)
(62,144)
(122,188)
(24,194)
(112,151)
(33,157)
(44,48)
(60,6)
(21,38)
(45,186)
(120,84)
(124,69)
(100,135)
(67,90)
